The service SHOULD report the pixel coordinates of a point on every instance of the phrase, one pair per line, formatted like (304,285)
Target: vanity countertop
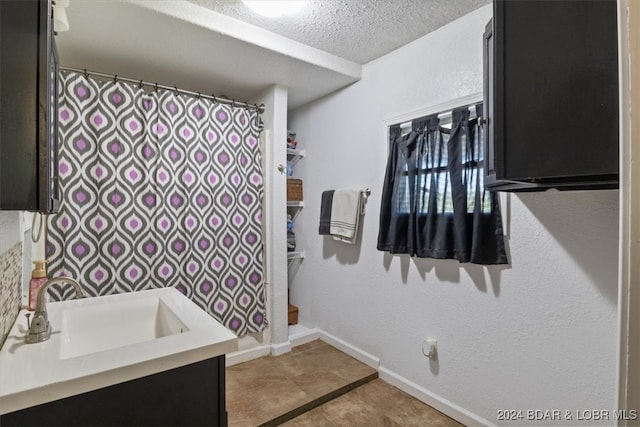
(32,374)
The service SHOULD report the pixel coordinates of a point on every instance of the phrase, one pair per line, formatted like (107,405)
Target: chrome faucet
(40,328)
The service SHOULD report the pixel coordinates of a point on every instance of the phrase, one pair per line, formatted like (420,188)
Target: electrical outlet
(430,348)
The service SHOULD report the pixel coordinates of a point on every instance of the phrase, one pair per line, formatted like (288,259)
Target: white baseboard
(304,336)
(281,348)
(351,350)
(247,355)
(299,338)
(441,404)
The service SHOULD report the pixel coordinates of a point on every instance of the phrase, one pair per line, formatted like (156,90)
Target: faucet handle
(28,316)
(40,328)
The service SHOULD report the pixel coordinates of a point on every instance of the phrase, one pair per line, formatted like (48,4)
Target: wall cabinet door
(551,85)
(28,161)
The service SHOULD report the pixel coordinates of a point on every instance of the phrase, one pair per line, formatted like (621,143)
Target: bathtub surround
(159,189)
(10,286)
(538,334)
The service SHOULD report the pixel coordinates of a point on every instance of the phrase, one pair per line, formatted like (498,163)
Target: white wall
(539,334)
(10,230)
(275,215)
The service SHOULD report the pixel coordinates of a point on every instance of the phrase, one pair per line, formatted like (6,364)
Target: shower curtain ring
(115,79)
(233,103)
(175,92)
(155,87)
(215,100)
(140,85)
(86,74)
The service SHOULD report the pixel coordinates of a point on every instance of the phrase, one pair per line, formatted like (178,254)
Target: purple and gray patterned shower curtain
(159,189)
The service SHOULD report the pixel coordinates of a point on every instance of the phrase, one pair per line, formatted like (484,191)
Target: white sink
(97,342)
(101,327)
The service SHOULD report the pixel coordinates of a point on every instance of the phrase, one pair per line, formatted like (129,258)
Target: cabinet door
(18,105)
(28,100)
(555,113)
(489,100)
(48,112)
(186,396)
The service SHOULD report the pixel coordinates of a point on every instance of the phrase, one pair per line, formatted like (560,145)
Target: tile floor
(317,385)
(375,403)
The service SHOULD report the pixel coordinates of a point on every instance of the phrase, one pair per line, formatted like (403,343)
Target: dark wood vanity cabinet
(187,396)
(551,95)
(28,106)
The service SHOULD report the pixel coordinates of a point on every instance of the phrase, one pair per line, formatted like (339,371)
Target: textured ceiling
(357,30)
(221,47)
(139,40)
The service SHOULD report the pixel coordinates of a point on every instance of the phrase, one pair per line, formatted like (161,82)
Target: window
(434,202)
(434,167)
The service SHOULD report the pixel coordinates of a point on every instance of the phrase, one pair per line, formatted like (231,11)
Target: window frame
(474,165)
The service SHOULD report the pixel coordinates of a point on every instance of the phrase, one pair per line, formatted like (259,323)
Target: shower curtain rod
(220,99)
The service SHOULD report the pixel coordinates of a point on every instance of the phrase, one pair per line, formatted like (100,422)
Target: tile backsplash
(10,288)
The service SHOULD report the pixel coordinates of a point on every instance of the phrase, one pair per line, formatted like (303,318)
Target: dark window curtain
(434,204)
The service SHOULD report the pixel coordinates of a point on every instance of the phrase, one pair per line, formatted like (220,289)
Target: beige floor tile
(242,412)
(291,364)
(313,418)
(279,397)
(246,373)
(319,382)
(233,387)
(322,350)
(400,406)
(261,390)
(310,345)
(348,410)
(352,370)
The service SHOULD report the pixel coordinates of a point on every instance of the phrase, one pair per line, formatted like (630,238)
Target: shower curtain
(159,189)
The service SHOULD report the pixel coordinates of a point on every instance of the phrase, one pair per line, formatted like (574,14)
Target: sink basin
(98,342)
(100,327)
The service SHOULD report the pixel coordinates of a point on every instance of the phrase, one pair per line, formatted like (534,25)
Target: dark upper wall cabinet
(551,94)
(28,70)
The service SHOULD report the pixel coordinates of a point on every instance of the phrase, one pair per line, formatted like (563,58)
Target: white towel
(345,215)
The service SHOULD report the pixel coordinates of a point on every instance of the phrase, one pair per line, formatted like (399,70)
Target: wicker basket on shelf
(294,190)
